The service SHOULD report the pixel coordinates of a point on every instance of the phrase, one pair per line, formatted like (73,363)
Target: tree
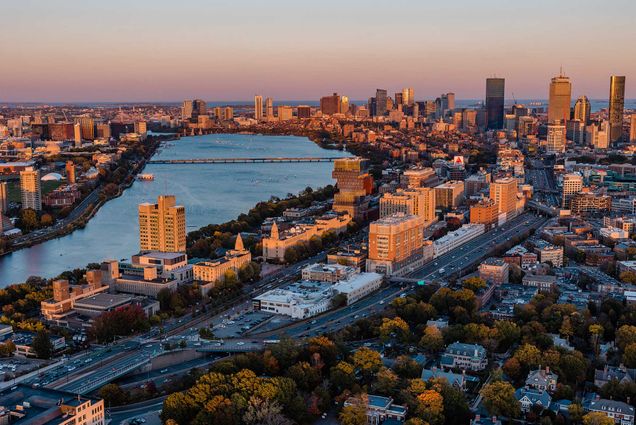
(431,407)
(499,399)
(432,341)
(625,335)
(597,418)
(576,412)
(474,283)
(628,277)
(113,395)
(7,349)
(42,345)
(354,414)
(629,355)
(366,360)
(566,330)
(596,332)
(386,381)
(394,328)
(29,219)
(264,412)
(528,355)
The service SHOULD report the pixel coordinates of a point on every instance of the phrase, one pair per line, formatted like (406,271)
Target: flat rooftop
(103,301)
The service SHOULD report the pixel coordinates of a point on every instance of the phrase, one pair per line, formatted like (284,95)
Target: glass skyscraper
(495,88)
(616,106)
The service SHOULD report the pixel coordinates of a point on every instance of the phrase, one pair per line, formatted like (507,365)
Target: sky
(160,50)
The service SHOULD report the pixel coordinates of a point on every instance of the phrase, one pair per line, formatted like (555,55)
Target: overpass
(542,208)
(263,160)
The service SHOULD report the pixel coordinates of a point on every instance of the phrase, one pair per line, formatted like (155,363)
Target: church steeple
(238,244)
(274,234)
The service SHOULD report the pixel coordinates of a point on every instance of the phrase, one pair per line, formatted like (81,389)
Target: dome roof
(52,177)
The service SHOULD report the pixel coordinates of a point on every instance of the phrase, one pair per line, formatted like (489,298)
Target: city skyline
(147,54)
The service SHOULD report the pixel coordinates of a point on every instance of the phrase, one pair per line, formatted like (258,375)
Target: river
(211,193)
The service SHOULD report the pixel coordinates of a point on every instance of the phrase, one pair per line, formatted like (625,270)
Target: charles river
(211,193)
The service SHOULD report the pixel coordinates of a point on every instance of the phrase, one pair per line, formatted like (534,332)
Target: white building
(358,286)
(298,300)
(458,237)
(328,272)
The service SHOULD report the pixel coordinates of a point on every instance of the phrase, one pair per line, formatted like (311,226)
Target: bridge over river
(241,160)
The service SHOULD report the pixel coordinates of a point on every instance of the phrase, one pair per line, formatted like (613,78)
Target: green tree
(29,219)
(113,395)
(42,345)
(499,399)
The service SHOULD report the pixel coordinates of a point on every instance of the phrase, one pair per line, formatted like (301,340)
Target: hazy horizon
(159,51)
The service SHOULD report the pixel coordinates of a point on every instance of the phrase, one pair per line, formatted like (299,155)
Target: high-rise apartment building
(330,105)
(616,107)
(269,108)
(380,102)
(395,243)
(556,138)
(258,107)
(632,129)
(199,107)
(399,98)
(449,194)
(582,110)
(597,135)
(4,198)
(420,202)
(303,111)
(285,113)
(495,90)
(30,189)
(354,183)
(186,110)
(485,212)
(70,172)
(572,184)
(87,127)
(504,193)
(559,99)
(162,226)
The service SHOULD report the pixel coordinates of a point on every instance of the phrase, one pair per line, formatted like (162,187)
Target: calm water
(211,193)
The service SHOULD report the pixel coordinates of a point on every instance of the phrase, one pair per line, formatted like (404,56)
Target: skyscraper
(4,198)
(354,183)
(70,172)
(30,189)
(199,107)
(582,110)
(269,108)
(495,89)
(411,96)
(380,102)
(560,99)
(616,106)
(258,107)
(632,129)
(556,138)
(344,104)
(162,225)
(87,127)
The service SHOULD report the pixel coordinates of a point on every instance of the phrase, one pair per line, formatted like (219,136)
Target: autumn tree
(597,418)
(431,407)
(499,399)
(474,283)
(432,341)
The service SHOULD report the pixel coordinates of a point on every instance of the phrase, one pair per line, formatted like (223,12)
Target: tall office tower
(30,189)
(354,183)
(199,107)
(87,127)
(410,101)
(330,105)
(186,110)
(560,99)
(616,107)
(380,102)
(399,98)
(495,89)
(429,108)
(269,108)
(469,119)
(576,131)
(228,113)
(450,101)
(556,138)
(4,198)
(395,242)
(449,194)
(582,110)
(504,193)
(371,106)
(258,107)
(70,172)
(344,104)
(416,110)
(572,184)
(162,226)
(632,129)
(597,135)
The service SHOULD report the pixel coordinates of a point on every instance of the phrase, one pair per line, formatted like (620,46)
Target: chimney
(547,370)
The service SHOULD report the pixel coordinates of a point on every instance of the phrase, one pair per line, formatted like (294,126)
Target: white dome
(52,177)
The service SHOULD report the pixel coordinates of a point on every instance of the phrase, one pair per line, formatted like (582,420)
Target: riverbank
(88,207)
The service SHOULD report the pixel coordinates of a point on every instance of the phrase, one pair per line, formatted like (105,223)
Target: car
(163,370)
(240,343)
